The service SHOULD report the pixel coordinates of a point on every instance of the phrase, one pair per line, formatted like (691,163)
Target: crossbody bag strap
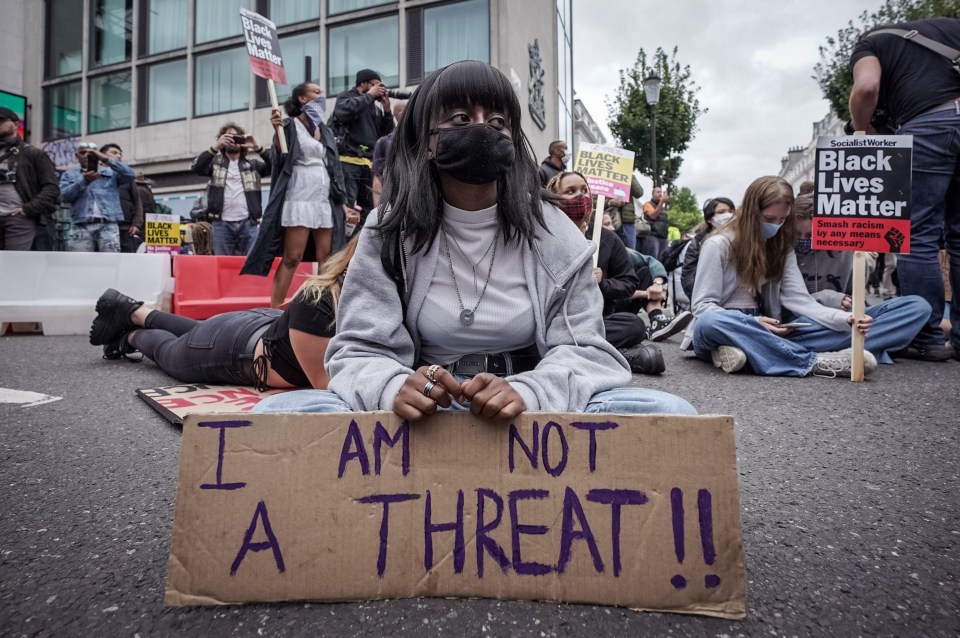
(916,37)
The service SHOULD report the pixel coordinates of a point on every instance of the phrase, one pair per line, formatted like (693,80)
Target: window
(165,25)
(62,104)
(343,6)
(295,48)
(221,82)
(218,19)
(285,12)
(162,88)
(372,44)
(64,40)
(441,34)
(109,107)
(111,40)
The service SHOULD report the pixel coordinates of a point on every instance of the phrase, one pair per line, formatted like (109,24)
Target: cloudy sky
(752,60)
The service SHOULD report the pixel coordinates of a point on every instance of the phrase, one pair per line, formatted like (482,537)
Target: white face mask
(721,218)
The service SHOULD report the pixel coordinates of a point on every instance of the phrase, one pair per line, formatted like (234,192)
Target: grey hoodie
(375,350)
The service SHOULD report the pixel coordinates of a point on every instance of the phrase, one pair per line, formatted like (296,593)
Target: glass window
(342,6)
(453,32)
(285,12)
(218,19)
(62,111)
(112,22)
(372,44)
(109,102)
(64,39)
(166,25)
(221,82)
(163,91)
(294,49)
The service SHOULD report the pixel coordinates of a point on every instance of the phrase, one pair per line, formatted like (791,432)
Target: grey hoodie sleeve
(708,287)
(795,297)
(371,354)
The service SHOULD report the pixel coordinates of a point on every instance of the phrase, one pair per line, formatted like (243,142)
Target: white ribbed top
(504,319)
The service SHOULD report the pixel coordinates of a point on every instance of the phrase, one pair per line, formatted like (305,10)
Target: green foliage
(833,73)
(683,211)
(677,114)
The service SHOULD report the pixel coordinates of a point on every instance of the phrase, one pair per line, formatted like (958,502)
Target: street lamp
(651,87)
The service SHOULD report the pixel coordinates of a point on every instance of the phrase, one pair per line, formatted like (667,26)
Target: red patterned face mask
(577,208)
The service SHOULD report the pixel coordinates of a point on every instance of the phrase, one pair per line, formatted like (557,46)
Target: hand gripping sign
(640,512)
(263,50)
(608,171)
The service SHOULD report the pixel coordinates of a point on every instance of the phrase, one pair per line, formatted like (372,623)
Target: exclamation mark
(676,503)
(704,506)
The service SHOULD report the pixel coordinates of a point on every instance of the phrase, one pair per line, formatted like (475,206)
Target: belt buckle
(507,364)
(470,365)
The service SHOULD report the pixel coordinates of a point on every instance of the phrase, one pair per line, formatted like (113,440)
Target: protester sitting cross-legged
(748,280)
(614,274)
(827,275)
(263,347)
(471,292)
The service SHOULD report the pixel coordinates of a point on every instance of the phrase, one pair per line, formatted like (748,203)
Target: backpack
(670,257)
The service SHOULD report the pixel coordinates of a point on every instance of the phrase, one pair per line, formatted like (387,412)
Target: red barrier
(206,285)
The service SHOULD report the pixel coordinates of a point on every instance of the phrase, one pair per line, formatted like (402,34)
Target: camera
(93,162)
(398,94)
(239,140)
(8,177)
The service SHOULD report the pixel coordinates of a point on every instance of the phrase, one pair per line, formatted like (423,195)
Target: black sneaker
(644,359)
(662,328)
(119,348)
(924,353)
(113,317)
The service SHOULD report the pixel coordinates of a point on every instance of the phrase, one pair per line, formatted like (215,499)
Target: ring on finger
(432,372)
(427,388)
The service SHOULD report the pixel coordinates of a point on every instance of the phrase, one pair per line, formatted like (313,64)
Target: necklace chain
(466,316)
(473,266)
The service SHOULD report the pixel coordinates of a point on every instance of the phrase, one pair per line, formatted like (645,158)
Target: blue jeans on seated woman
(616,401)
(895,324)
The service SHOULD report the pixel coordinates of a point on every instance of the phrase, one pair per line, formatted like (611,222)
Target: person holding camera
(93,192)
(28,186)
(361,117)
(131,228)
(918,91)
(233,201)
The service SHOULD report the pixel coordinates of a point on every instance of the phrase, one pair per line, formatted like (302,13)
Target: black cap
(7,114)
(365,75)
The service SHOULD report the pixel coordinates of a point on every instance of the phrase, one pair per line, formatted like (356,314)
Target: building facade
(159,77)
(798,165)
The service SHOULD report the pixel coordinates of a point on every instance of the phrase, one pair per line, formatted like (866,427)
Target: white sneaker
(840,364)
(729,359)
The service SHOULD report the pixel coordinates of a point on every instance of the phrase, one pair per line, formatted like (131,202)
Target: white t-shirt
(234,199)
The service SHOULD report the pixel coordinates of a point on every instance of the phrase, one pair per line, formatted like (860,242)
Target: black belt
(502,364)
(251,346)
(96,220)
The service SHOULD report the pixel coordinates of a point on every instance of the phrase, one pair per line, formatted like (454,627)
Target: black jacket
(619,278)
(358,123)
(131,205)
(37,182)
(259,164)
(269,243)
(547,171)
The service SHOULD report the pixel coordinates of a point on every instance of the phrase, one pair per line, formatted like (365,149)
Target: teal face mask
(769,230)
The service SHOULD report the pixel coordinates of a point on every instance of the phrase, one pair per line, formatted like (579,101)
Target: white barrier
(60,289)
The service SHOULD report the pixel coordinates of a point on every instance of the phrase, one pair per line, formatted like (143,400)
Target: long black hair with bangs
(411,184)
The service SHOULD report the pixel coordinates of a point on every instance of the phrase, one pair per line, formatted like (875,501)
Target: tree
(677,114)
(833,73)
(683,210)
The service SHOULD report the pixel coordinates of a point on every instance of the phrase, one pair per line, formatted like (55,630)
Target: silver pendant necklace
(467,316)
(474,266)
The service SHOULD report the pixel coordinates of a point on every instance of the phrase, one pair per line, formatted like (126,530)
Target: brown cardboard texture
(636,511)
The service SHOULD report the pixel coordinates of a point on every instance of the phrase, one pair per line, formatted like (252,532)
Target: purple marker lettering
(429,527)
(385,499)
(222,426)
(705,509)
(676,503)
(381,436)
(354,440)
(531,454)
(516,529)
(484,542)
(593,428)
(571,508)
(248,544)
(616,499)
(557,469)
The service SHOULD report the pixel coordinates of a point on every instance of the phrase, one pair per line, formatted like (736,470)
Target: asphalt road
(849,492)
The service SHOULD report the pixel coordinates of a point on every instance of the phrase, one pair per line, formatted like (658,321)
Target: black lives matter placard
(863,193)
(263,47)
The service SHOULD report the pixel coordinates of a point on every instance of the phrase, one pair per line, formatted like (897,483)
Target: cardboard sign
(862,193)
(162,233)
(175,402)
(607,170)
(641,512)
(263,47)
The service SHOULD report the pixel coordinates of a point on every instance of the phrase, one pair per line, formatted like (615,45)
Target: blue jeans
(935,210)
(895,324)
(628,233)
(234,238)
(616,401)
(96,237)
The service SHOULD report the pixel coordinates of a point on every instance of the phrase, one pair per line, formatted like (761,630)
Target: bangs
(475,83)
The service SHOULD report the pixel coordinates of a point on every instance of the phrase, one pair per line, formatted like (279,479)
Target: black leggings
(217,350)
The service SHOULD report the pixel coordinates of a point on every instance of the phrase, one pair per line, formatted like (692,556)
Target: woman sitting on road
(471,292)
(748,280)
(264,347)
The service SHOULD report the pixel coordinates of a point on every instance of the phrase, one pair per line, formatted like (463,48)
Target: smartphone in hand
(796,324)
(93,163)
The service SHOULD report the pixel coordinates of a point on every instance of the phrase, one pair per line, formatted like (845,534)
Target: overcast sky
(752,60)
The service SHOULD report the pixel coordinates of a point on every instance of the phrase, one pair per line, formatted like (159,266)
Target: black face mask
(474,154)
